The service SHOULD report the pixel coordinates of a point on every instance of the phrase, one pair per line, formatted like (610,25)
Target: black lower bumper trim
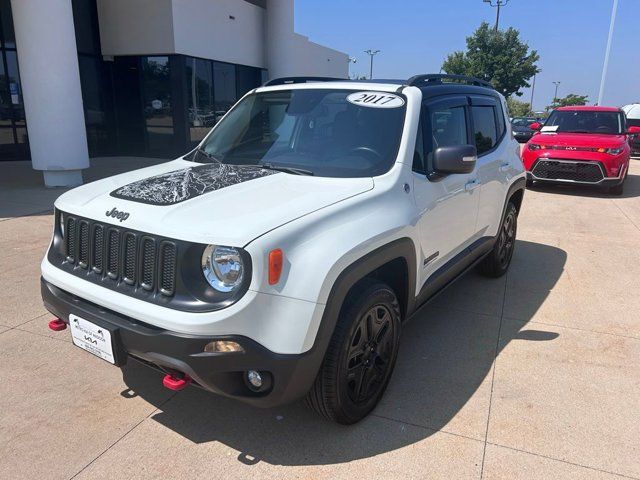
(604,183)
(223,373)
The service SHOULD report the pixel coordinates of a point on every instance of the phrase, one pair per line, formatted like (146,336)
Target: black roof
(430,79)
(432,85)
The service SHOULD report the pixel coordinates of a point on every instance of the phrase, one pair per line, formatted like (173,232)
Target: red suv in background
(580,145)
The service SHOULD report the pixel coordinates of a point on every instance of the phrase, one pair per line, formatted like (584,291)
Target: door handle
(505,166)
(471,184)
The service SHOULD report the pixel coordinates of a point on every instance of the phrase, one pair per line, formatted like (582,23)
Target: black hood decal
(180,185)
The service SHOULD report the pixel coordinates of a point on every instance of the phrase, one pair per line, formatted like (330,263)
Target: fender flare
(403,248)
(519,184)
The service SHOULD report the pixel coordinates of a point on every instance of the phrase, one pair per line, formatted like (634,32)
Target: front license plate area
(92,338)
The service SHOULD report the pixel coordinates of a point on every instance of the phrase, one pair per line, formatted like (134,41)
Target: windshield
(586,121)
(523,122)
(315,131)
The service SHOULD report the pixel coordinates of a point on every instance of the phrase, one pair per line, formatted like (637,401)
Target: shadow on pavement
(445,356)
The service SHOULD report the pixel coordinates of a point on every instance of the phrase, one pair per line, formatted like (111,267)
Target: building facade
(82,78)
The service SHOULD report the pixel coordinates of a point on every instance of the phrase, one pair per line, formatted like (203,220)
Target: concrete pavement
(534,375)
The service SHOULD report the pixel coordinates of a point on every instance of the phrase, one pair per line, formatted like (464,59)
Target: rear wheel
(497,262)
(360,357)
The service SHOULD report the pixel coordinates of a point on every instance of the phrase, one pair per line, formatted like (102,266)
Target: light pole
(608,51)
(371,54)
(555,95)
(497,4)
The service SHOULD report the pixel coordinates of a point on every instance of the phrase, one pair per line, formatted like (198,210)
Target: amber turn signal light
(275,265)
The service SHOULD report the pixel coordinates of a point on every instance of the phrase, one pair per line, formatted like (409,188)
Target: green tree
(499,57)
(570,100)
(518,108)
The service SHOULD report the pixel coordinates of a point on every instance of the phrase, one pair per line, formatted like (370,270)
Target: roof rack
(291,80)
(439,79)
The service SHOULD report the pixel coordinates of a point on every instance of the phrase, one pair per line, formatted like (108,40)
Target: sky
(415,36)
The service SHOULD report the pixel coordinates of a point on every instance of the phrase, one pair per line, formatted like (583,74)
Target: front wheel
(497,262)
(360,357)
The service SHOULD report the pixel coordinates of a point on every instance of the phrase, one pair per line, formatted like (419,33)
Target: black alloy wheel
(361,354)
(369,354)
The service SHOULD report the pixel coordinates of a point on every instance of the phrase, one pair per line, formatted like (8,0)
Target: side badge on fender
(430,259)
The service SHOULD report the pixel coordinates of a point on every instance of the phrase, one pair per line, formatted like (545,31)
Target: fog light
(254,378)
(220,346)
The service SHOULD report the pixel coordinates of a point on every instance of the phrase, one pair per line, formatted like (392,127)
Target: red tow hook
(57,325)
(173,382)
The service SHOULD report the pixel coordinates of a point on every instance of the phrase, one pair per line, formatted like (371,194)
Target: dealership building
(81,78)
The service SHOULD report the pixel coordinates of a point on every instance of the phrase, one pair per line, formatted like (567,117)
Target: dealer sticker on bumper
(91,337)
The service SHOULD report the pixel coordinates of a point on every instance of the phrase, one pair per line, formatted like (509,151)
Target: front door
(448,204)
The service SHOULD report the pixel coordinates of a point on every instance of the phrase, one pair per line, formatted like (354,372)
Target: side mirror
(535,126)
(455,159)
(633,130)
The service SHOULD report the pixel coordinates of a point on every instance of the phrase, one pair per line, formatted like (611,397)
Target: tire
(360,357)
(497,262)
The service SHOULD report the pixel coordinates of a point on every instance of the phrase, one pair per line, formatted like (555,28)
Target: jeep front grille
(121,256)
(567,170)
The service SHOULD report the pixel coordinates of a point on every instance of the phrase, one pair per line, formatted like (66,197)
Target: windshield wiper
(285,169)
(210,156)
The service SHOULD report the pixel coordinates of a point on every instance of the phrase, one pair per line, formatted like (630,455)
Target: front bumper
(289,376)
(605,182)
(571,171)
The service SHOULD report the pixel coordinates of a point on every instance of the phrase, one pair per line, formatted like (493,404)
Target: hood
(579,140)
(207,203)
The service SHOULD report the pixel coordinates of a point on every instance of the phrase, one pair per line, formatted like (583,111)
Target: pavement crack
(493,372)
(155,410)
(424,427)
(563,461)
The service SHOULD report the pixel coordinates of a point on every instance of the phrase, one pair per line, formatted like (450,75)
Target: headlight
(534,146)
(614,151)
(222,267)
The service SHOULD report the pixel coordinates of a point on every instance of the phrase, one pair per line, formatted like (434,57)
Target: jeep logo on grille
(122,216)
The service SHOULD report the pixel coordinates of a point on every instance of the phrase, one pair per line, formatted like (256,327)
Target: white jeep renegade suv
(280,258)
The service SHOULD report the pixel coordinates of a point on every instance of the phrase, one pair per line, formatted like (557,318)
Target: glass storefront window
(85,21)
(8,39)
(6,112)
(158,112)
(21,135)
(6,137)
(15,90)
(224,82)
(248,79)
(202,115)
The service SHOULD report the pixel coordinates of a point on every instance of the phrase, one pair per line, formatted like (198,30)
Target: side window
(418,153)
(448,127)
(484,125)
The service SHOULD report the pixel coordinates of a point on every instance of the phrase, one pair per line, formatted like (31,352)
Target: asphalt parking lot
(534,375)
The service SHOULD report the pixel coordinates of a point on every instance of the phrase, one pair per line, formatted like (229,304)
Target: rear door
(489,133)
(447,204)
